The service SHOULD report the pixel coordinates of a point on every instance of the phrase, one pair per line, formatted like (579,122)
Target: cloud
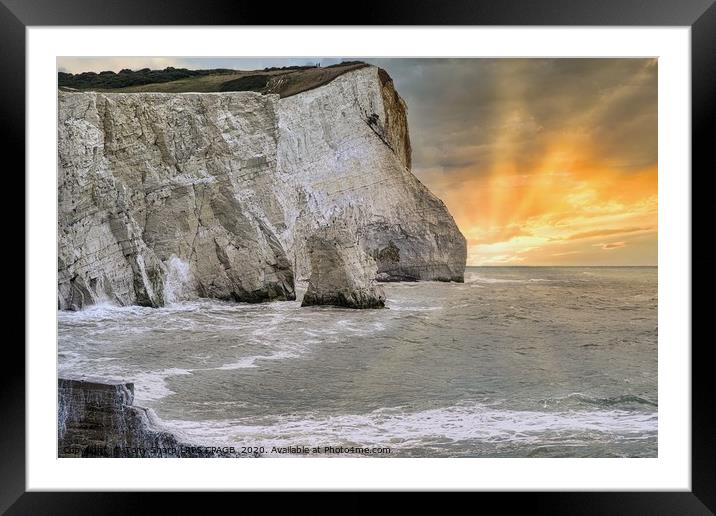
(612,245)
(512,109)
(479,236)
(606,232)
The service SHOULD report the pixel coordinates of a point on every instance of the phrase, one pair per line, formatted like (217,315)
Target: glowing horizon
(556,164)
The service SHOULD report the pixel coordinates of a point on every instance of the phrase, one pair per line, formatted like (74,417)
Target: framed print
(378,257)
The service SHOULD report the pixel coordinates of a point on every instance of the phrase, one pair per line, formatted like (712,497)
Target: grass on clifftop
(285,81)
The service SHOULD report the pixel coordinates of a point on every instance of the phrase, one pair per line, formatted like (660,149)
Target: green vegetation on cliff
(285,81)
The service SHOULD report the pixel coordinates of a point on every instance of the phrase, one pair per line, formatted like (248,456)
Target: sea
(514,362)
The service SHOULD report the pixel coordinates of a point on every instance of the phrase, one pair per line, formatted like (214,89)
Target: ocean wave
(359,327)
(152,385)
(478,278)
(249,362)
(100,312)
(579,398)
(148,385)
(402,428)
(412,308)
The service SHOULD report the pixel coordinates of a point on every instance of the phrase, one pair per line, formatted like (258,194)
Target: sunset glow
(562,212)
(556,165)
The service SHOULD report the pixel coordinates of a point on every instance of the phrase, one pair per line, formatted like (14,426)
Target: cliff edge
(163,196)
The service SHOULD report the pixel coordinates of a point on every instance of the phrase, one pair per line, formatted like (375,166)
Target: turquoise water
(515,362)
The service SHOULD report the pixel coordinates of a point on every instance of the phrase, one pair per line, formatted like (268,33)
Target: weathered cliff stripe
(219,194)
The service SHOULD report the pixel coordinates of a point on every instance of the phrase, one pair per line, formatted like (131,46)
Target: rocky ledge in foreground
(98,418)
(167,196)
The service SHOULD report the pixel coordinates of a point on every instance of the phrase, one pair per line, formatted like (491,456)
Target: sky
(540,161)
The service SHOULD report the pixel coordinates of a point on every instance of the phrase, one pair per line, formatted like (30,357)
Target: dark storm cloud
(462,106)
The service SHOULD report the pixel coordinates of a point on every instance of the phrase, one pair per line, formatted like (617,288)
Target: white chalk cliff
(240,195)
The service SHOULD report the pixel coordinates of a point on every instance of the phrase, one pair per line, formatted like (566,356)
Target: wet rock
(342,274)
(97,418)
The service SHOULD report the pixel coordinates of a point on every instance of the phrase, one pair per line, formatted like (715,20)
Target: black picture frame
(700,15)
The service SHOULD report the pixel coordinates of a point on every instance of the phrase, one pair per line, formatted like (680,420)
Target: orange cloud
(611,245)
(606,232)
(544,195)
(558,154)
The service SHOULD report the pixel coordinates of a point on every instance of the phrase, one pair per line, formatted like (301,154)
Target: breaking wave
(400,428)
(622,400)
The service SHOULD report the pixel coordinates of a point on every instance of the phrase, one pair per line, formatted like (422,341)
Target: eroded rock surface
(149,179)
(224,195)
(342,274)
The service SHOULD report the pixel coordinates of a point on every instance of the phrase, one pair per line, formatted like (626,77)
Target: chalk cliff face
(234,195)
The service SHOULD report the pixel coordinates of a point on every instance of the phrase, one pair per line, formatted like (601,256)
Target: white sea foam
(247,362)
(178,283)
(413,308)
(477,278)
(99,311)
(359,327)
(399,428)
(152,385)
